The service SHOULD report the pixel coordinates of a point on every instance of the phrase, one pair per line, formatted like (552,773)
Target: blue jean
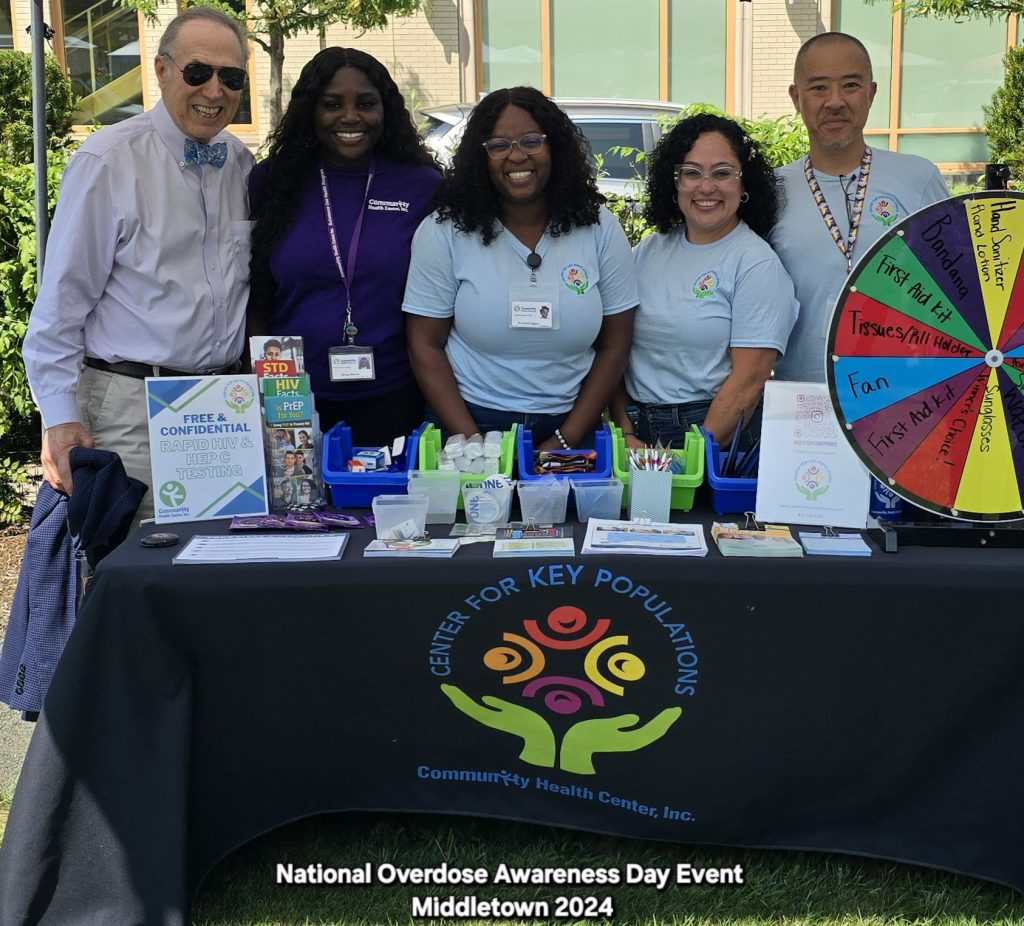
(496,419)
(669,423)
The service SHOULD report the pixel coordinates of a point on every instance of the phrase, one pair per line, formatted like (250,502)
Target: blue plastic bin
(358,490)
(602,444)
(729,495)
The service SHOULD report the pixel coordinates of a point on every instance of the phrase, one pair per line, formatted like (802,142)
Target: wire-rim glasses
(689,176)
(499,148)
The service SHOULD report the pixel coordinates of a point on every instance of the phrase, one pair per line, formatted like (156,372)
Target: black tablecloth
(867,706)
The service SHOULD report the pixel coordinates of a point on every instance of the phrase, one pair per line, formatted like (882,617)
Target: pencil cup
(650,495)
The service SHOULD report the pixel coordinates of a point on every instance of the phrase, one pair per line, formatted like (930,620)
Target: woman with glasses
(521,290)
(716,305)
(346,182)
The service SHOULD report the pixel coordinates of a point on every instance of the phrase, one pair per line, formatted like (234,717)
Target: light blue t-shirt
(899,184)
(697,301)
(452,275)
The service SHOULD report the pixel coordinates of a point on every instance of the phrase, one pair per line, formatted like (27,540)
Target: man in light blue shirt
(818,236)
(147,265)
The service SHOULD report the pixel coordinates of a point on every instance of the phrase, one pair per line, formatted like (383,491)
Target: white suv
(606,123)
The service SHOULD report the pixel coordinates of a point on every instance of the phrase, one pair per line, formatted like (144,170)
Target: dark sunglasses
(195,74)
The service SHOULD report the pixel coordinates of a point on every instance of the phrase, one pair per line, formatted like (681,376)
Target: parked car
(606,123)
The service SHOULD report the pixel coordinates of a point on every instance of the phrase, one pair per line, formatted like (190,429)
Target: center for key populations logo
(705,284)
(565,685)
(239,395)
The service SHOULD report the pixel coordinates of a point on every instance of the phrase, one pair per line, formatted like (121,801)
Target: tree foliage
(18,245)
(270,22)
(958,9)
(16,105)
(781,140)
(1004,119)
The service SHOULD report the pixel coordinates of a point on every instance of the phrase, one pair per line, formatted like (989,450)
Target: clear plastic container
(400,517)
(442,492)
(543,501)
(598,498)
(488,501)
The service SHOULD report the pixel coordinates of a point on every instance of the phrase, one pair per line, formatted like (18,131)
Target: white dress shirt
(147,261)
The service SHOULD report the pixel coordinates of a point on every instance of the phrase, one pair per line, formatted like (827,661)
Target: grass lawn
(795,889)
(783,888)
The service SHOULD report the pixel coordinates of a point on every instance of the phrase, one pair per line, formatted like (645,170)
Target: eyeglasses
(689,178)
(849,185)
(498,148)
(196,73)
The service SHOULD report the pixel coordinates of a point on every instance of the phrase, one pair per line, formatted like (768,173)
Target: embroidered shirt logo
(705,284)
(387,205)
(575,277)
(885,209)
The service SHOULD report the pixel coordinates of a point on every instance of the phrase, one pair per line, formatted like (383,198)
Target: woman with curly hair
(346,182)
(521,290)
(716,305)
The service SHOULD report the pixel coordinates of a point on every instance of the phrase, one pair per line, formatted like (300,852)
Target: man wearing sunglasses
(147,265)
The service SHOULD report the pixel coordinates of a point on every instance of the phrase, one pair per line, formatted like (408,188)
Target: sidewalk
(14,737)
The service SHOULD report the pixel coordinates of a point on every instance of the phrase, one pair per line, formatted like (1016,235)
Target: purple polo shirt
(310,297)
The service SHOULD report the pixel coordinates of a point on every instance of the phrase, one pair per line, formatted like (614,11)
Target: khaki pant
(113,411)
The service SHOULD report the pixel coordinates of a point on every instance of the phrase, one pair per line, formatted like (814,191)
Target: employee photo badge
(533,306)
(351,362)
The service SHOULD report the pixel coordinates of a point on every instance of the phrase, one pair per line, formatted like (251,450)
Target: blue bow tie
(198,153)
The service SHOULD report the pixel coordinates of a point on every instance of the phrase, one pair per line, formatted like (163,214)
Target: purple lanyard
(350,330)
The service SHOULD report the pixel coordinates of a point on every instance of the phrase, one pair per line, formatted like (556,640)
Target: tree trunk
(276,69)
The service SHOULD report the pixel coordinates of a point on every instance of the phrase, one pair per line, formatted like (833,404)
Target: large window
(945,71)
(608,49)
(6,25)
(102,59)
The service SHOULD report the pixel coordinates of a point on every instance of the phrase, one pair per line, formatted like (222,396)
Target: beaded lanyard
(845,246)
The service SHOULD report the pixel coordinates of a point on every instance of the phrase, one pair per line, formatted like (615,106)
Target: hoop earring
(744,197)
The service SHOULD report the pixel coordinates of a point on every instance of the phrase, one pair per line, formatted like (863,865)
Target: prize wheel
(925,359)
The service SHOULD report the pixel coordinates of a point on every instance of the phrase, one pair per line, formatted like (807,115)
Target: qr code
(814,417)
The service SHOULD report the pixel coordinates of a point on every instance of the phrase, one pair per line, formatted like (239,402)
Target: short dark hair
(170,37)
(272,342)
(827,37)
(467,197)
(761,209)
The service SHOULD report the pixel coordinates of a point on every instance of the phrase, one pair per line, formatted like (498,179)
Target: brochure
(442,547)
(537,546)
(774,540)
(834,544)
(648,538)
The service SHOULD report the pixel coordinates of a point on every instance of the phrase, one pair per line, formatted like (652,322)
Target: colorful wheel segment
(925,358)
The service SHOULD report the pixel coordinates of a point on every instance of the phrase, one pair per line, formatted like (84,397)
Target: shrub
(781,140)
(18,247)
(1004,119)
(16,106)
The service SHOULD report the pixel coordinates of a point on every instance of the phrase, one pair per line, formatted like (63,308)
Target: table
(863,706)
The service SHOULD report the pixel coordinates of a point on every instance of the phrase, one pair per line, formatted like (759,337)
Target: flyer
(808,473)
(206,443)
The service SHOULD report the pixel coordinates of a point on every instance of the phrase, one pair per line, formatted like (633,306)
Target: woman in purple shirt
(345,184)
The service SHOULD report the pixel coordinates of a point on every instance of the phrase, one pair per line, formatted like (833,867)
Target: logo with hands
(595,669)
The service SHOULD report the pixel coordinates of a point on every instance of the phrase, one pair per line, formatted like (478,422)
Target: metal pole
(39,133)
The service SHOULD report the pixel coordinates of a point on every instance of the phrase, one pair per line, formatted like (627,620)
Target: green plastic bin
(684,484)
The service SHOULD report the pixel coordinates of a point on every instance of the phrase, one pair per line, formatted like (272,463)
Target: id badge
(533,306)
(351,362)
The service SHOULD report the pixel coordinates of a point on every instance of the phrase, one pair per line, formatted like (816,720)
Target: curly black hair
(467,197)
(293,151)
(760,211)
